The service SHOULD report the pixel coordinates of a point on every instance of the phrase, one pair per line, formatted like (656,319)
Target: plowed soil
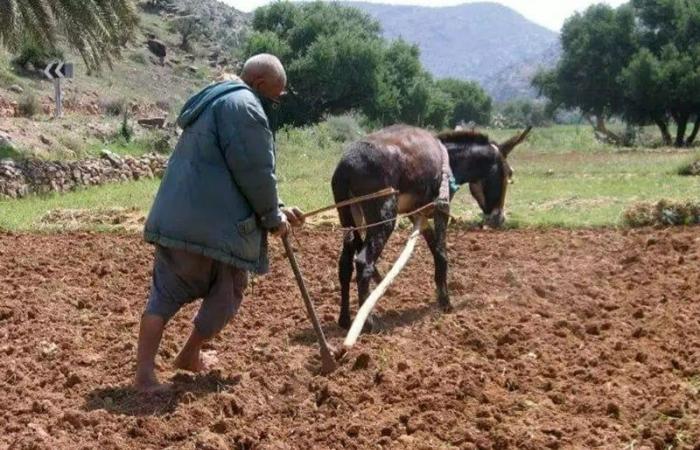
(559,339)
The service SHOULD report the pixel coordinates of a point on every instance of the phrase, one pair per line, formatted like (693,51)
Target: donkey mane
(463,137)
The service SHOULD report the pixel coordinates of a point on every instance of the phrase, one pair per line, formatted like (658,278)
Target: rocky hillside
(139,82)
(485,42)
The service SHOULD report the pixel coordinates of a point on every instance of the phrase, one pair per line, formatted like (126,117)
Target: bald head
(265,74)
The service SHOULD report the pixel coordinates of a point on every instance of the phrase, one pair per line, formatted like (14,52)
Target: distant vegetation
(640,62)
(563,177)
(337,61)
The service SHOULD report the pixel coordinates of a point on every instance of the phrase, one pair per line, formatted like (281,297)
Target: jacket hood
(199,102)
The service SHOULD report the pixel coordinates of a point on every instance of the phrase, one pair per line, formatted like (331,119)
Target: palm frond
(97,29)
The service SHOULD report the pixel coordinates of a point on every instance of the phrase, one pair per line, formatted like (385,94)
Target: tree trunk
(601,131)
(682,123)
(691,139)
(665,134)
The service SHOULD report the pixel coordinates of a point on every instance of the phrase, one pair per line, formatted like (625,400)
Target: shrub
(126,131)
(344,128)
(521,113)
(690,169)
(114,107)
(38,56)
(7,151)
(156,141)
(28,105)
(138,58)
(71,142)
(163,105)
(663,213)
(7,77)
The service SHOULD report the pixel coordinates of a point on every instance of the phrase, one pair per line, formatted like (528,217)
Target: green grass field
(563,177)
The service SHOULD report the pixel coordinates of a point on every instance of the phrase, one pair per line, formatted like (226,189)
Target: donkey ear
(513,142)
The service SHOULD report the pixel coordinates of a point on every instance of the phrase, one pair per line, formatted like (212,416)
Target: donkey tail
(340,183)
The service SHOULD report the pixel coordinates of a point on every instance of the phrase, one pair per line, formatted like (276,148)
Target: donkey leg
(365,262)
(436,242)
(345,267)
(441,221)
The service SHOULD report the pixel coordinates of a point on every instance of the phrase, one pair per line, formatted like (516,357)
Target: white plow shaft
(374,297)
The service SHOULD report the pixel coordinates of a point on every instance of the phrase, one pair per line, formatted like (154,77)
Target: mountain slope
(475,41)
(514,81)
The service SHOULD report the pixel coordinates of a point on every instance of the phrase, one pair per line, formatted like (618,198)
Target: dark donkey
(423,168)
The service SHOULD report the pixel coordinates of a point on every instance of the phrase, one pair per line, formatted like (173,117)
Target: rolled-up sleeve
(248,147)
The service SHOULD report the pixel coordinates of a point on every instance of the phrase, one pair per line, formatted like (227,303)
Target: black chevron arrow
(58,70)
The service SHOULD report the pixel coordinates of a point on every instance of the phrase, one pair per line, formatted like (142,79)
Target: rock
(112,157)
(47,348)
(16,89)
(23,177)
(158,48)
(152,122)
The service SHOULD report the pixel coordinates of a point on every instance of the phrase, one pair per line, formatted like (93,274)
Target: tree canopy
(596,47)
(662,80)
(97,29)
(337,61)
(640,61)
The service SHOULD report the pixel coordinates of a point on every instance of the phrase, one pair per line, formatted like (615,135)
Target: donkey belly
(407,203)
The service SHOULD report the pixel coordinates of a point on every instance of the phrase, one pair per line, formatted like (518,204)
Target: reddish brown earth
(560,339)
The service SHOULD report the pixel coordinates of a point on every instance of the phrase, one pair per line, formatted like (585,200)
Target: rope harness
(399,216)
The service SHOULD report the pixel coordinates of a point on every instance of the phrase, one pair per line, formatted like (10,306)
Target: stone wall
(33,176)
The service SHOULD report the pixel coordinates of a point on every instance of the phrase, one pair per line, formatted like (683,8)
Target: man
(210,218)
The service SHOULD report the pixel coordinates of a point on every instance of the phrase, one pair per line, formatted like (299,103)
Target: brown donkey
(424,168)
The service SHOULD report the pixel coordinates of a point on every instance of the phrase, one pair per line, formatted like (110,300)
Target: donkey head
(484,165)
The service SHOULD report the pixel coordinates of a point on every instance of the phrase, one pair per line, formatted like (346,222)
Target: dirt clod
(362,362)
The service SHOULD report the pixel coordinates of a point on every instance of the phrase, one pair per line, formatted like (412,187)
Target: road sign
(56,71)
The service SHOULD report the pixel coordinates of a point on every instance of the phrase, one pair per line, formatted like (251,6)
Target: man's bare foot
(197,361)
(147,383)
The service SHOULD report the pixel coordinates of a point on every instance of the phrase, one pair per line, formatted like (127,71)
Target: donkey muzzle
(496,219)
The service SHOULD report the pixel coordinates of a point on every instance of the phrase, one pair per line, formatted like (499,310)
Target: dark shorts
(181,277)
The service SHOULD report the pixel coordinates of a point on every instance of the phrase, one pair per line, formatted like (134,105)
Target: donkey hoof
(445,306)
(344,322)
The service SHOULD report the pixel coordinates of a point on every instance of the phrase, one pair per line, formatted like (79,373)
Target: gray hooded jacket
(219,193)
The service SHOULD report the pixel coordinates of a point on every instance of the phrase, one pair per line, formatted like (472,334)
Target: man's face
(270,87)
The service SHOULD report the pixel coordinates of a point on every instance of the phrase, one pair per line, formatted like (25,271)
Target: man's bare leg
(150,334)
(191,357)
